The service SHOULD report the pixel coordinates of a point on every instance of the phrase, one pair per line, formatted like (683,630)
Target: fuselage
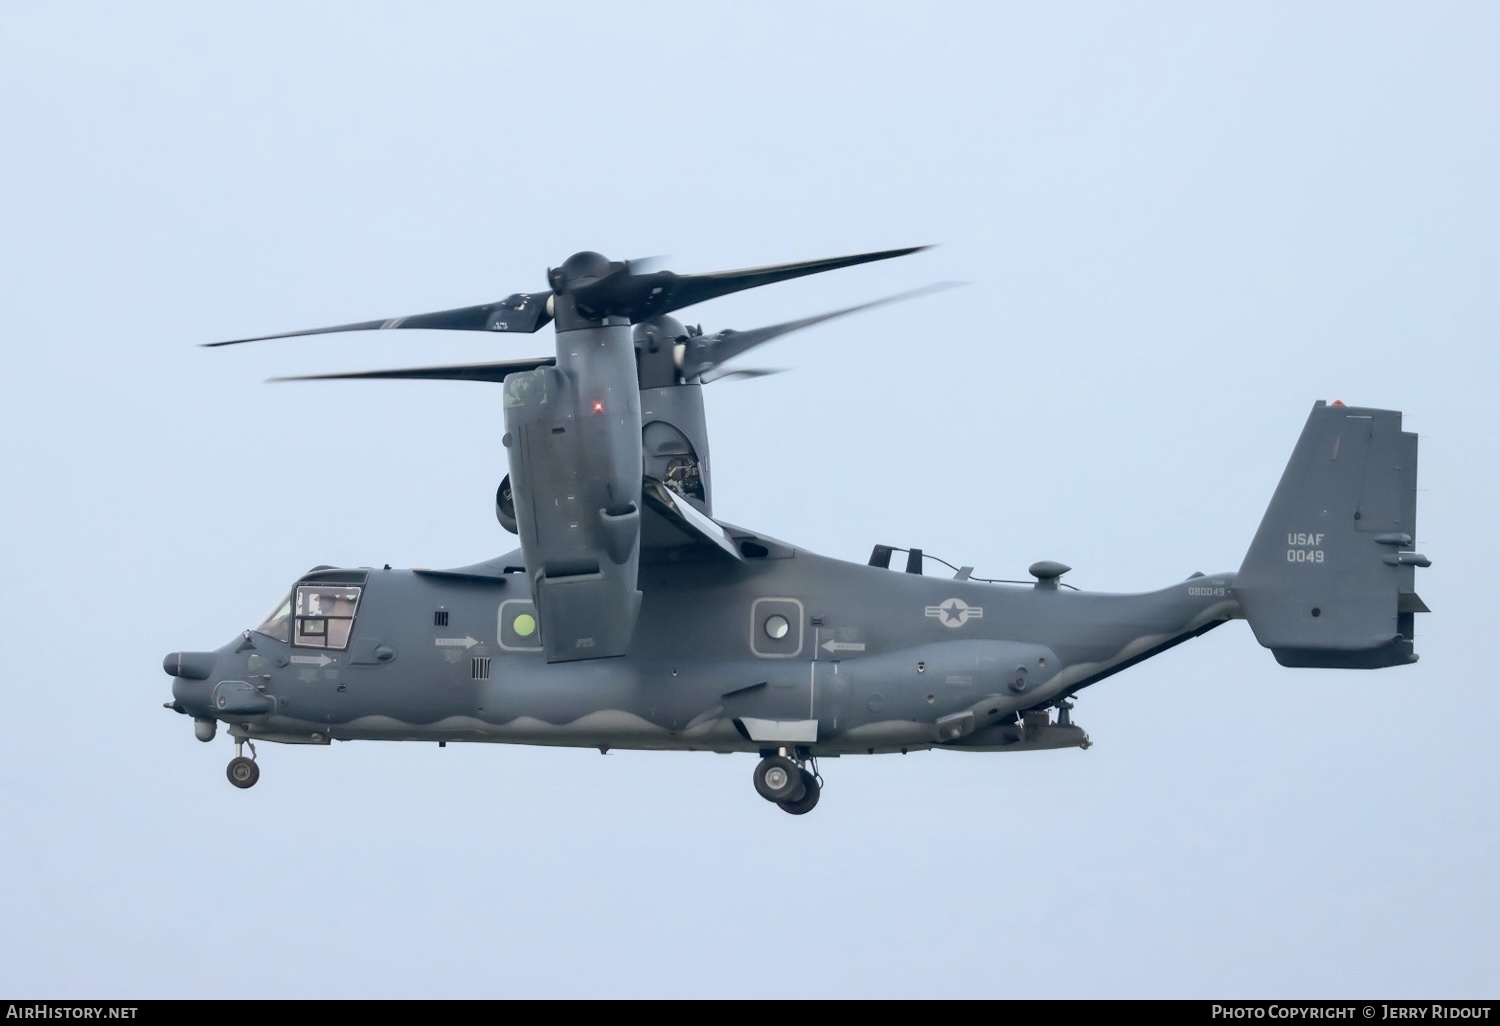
(785,649)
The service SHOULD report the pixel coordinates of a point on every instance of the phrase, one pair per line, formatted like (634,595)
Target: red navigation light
(1336,402)
(599,405)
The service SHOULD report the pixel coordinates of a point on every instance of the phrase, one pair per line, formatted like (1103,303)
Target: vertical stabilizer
(1328,580)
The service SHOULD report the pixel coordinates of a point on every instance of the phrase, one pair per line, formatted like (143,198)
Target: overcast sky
(1182,225)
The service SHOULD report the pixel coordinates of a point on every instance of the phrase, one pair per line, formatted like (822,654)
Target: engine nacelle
(573,438)
(505,506)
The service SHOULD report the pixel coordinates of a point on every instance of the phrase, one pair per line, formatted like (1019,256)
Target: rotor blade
(639,296)
(647,265)
(495,372)
(708,351)
(523,312)
(742,374)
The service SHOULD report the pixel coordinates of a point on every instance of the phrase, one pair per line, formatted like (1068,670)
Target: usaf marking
(1305,547)
(955,612)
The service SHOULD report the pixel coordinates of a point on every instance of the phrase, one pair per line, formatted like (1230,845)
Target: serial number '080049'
(1304,547)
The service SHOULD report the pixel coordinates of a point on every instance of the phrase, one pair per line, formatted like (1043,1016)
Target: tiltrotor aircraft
(631,617)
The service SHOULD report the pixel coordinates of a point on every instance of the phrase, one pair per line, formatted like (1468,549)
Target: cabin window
(324,615)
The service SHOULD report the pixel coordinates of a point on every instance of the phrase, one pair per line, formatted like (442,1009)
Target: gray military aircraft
(631,617)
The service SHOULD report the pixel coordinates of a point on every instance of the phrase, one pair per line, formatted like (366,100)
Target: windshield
(279,624)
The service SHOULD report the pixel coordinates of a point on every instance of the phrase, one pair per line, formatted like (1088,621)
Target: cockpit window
(324,615)
(279,624)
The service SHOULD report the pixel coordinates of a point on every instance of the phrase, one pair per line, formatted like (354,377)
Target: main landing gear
(242,772)
(784,779)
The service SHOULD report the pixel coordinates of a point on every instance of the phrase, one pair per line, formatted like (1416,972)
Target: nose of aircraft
(191,665)
(192,676)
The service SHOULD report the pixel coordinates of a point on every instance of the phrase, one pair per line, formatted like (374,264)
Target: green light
(524,625)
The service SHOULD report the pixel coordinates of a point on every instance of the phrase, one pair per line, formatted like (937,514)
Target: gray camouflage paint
(660,628)
(871,659)
(702,660)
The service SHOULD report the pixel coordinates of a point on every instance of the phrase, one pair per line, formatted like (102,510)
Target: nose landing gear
(242,772)
(784,780)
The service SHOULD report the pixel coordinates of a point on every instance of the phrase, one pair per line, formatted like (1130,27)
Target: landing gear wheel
(809,800)
(242,772)
(777,779)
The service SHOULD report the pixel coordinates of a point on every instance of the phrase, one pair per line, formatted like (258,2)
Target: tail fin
(1328,580)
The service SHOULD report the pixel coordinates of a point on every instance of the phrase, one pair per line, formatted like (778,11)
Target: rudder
(1328,580)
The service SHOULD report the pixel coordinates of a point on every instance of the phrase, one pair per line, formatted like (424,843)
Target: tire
(809,800)
(242,772)
(778,779)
